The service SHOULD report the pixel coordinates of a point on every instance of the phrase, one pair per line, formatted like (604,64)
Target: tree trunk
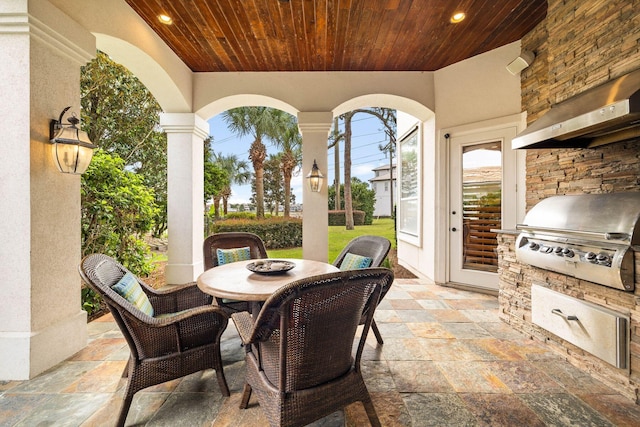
(216,207)
(287,194)
(336,163)
(226,193)
(348,203)
(257,154)
(260,193)
(391,180)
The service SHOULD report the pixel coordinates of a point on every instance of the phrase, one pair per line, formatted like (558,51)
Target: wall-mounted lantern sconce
(72,149)
(315,178)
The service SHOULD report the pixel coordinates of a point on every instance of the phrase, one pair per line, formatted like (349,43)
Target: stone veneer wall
(580,44)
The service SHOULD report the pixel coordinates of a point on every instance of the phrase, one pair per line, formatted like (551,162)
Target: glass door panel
(481,205)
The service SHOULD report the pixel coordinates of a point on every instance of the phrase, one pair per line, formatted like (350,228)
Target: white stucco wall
(41,321)
(477,89)
(474,90)
(293,92)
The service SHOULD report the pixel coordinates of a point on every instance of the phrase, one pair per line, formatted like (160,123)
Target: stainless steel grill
(591,237)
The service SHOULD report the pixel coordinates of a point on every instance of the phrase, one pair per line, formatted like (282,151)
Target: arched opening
(173,96)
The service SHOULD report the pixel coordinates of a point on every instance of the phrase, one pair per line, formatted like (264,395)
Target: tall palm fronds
(289,140)
(238,172)
(259,123)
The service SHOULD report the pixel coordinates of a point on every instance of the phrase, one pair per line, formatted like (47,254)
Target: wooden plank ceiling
(336,35)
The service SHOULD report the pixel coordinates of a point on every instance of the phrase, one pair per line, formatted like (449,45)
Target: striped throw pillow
(226,256)
(355,262)
(129,289)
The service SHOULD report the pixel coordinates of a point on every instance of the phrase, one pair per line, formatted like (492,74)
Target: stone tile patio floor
(447,361)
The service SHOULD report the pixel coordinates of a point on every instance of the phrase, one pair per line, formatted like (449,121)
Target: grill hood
(610,217)
(602,115)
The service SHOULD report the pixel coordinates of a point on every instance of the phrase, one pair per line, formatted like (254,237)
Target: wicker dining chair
(299,359)
(374,247)
(231,240)
(182,336)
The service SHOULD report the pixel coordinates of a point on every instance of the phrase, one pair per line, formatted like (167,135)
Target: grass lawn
(339,237)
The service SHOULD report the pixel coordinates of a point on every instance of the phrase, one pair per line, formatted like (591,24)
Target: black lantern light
(72,149)
(315,178)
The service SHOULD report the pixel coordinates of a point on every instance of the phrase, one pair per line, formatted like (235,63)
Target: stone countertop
(506,231)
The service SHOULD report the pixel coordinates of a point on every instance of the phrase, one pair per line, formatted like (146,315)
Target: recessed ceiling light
(457,17)
(165,19)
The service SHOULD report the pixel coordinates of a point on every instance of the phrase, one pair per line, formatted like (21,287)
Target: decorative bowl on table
(270,266)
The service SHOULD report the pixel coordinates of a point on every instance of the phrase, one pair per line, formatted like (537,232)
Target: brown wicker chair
(231,240)
(183,337)
(375,247)
(312,373)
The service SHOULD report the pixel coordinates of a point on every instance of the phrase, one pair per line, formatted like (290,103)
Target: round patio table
(234,281)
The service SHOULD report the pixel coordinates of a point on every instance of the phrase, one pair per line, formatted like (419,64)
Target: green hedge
(338,218)
(277,233)
(240,215)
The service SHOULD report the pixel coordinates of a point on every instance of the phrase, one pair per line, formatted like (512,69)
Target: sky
(365,155)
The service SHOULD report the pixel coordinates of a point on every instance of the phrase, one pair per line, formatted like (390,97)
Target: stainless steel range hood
(601,115)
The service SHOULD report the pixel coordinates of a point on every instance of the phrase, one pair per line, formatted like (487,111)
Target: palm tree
(237,171)
(348,201)
(289,140)
(257,122)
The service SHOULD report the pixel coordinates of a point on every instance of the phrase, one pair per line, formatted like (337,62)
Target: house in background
(381,185)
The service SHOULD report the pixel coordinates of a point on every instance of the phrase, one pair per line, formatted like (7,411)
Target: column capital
(315,121)
(184,123)
(49,25)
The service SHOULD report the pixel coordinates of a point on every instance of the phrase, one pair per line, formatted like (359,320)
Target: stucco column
(41,319)
(185,194)
(315,127)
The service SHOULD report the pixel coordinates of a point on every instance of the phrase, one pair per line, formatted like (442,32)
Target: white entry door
(482,192)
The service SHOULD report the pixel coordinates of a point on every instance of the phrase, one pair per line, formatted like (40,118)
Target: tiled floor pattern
(447,361)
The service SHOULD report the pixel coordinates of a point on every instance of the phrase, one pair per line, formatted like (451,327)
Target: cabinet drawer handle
(559,312)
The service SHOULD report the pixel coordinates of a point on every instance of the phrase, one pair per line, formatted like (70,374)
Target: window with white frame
(409,206)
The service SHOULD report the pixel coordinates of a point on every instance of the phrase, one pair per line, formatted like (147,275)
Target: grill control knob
(557,250)
(590,256)
(534,246)
(568,253)
(545,249)
(603,259)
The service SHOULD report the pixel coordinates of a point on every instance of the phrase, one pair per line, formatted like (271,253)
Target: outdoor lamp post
(72,150)
(315,178)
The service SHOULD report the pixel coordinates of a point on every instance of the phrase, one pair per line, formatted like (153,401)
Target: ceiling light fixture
(457,17)
(165,19)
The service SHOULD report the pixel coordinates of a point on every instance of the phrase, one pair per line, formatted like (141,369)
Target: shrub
(364,199)
(338,217)
(277,233)
(240,215)
(117,212)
